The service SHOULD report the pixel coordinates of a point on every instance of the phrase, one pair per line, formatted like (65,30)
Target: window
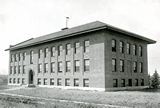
(122,82)
(68,66)
(15,57)
(59,82)
(45,81)
(67,82)
(15,69)
(142,82)
(85,82)
(53,51)
(60,68)
(135,66)
(136,82)
(68,50)
(46,67)
(121,47)
(140,51)
(113,45)
(14,80)
(39,68)
(134,50)
(24,69)
(10,80)
(18,80)
(24,55)
(11,70)
(23,80)
(86,46)
(115,83)
(31,57)
(76,82)
(77,65)
(128,48)
(51,81)
(39,81)
(121,65)
(60,49)
(20,55)
(11,58)
(129,82)
(52,67)
(19,70)
(46,52)
(86,65)
(113,65)
(77,47)
(141,67)
(40,53)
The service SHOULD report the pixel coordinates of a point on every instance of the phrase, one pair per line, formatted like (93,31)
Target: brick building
(94,56)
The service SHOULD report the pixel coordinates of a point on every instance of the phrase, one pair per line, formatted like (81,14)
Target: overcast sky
(24,19)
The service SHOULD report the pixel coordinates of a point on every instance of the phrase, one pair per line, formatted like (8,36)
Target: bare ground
(134,99)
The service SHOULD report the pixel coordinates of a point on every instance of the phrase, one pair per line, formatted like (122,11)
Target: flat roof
(89,27)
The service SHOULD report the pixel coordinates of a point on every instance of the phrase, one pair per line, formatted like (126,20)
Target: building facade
(93,56)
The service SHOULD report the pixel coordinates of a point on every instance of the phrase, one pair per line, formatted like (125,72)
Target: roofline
(64,36)
(149,41)
(18,44)
(106,26)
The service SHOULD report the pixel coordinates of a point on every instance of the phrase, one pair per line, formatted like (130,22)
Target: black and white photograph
(79,54)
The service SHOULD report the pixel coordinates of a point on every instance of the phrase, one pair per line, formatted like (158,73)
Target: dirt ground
(59,98)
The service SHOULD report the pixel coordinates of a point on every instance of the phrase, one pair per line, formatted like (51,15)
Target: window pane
(67,82)
(113,45)
(68,50)
(60,68)
(76,82)
(59,82)
(86,82)
(113,65)
(115,83)
(53,51)
(128,48)
(52,67)
(86,65)
(77,66)
(52,81)
(68,66)
(77,47)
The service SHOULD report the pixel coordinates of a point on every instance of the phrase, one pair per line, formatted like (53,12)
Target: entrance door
(31,77)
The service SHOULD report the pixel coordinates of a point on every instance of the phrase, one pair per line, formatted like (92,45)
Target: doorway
(31,77)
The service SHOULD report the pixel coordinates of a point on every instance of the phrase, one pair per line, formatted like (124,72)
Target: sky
(24,19)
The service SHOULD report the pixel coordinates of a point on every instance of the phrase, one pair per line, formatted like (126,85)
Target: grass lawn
(138,99)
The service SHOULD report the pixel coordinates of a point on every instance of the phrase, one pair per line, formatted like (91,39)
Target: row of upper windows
(123,84)
(59,82)
(128,46)
(20,57)
(67,68)
(13,69)
(114,66)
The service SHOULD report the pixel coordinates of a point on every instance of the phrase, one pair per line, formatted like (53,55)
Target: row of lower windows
(59,82)
(123,83)
(128,48)
(135,67)
(17,80)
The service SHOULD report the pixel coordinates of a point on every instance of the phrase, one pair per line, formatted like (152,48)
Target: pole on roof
(67,19)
